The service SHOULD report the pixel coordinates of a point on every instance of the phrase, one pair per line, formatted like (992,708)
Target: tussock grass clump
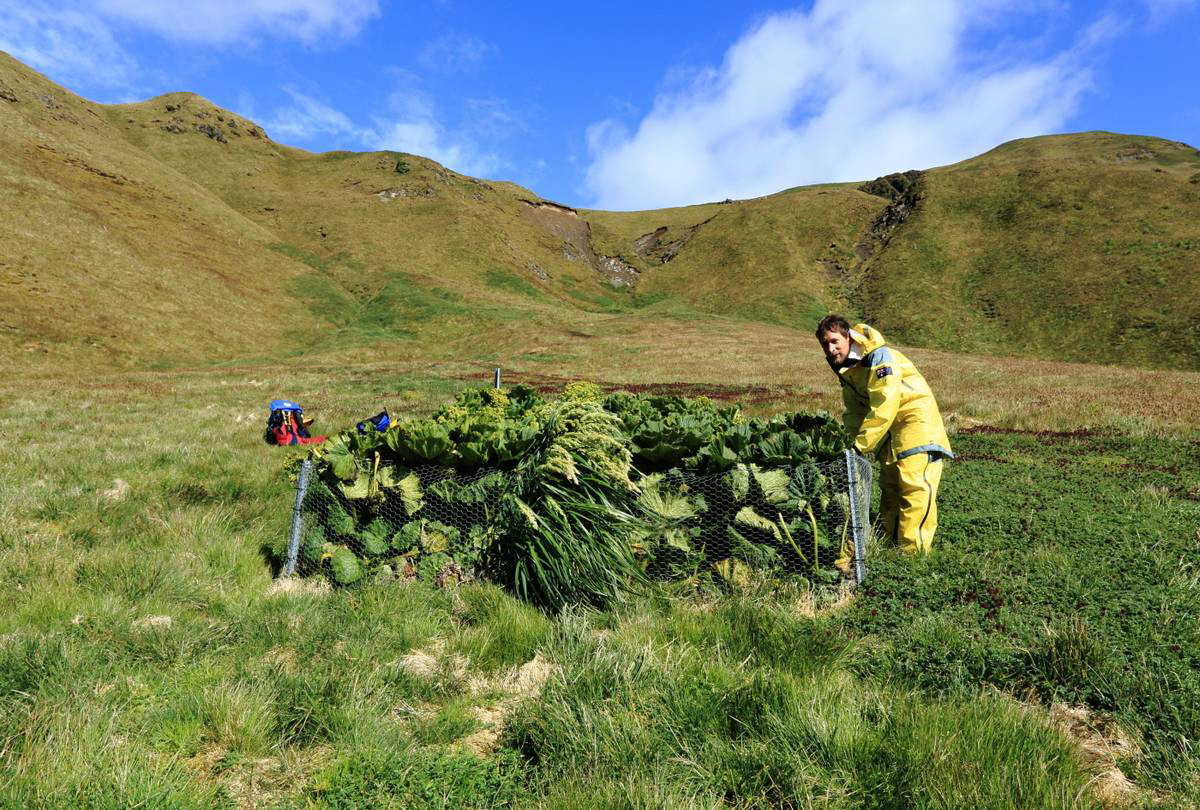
(704,716)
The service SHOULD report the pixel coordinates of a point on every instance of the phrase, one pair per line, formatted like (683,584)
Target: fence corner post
(857,529)
(293,551)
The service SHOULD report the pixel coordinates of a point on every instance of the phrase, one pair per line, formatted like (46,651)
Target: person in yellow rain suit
(891,412)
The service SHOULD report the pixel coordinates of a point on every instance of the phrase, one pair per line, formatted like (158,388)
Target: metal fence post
(497,381)
(293,550)
(856,527)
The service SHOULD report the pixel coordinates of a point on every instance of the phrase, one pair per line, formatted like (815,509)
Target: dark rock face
(904,190)
(1195,179)
(212,132)
(6,93)
(651,246)
(647,242)
(893,186)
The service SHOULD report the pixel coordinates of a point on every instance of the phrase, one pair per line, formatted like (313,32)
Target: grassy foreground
(147,658)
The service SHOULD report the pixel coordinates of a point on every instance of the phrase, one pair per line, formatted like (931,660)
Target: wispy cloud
(848,90)
(410,122)
(69,45)
(307,118)
(455,53)
(78,43)
(1161,10)
(229,21)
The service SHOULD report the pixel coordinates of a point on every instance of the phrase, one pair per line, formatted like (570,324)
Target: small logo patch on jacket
(883,371)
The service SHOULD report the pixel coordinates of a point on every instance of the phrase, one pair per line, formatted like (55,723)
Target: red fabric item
(289,433)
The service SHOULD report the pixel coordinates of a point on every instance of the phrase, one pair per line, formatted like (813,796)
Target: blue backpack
(285,424)
(380,421)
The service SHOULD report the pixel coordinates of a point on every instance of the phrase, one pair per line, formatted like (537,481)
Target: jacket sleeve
(852,417)
(883,388)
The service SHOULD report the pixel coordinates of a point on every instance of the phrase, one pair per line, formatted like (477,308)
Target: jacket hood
(868,338)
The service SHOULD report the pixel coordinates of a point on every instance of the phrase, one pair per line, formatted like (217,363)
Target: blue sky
(627,105)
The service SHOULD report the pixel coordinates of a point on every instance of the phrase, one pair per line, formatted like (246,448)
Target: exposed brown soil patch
(523,683)
(1043,435)
(318,586)
(1101,743)
(660,245)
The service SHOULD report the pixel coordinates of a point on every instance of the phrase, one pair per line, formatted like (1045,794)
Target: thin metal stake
(497,383)
(856,529)
(293,552)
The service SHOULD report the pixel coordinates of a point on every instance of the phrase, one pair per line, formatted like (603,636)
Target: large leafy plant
(576,499)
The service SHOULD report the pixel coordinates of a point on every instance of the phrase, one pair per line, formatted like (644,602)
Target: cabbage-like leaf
(773,483)
(357,489)
(373,540)
(312,541)
(429,441)
(716,456)
(344,567)
(733,571)
(409,536)
(739,482)
(341,457)
(746,516)
(438,537)
(411,494)
(339,521)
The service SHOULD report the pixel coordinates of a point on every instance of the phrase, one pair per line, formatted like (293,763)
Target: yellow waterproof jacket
(889,408)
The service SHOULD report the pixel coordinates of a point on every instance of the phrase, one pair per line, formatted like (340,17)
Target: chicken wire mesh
(810,520)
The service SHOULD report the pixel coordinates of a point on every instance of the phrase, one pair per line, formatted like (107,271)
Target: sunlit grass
(146,656)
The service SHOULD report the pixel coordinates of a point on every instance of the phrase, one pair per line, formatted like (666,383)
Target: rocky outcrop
(546,205)
(893,186)
(212,132)
(619,273)
(656,246)
(6,93)
(389,194)
(904,191)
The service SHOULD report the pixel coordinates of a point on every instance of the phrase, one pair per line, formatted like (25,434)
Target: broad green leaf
(411,493)
(344,567)
(357,489)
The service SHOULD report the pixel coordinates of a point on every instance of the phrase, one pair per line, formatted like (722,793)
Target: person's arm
(852,417)
(883,388)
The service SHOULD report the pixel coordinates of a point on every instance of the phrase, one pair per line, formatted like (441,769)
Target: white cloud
(410,123)
(70,46)
(1160,10)
(78,43)
(307,118)
(849,90)
(227,21)
(455,52)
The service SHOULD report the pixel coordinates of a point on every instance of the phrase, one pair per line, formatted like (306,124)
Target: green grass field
(1045,656)
(163,286)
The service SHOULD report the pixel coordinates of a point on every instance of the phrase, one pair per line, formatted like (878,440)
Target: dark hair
(833,323)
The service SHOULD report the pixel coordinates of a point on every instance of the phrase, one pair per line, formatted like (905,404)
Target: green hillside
(1084,247)
(171,232)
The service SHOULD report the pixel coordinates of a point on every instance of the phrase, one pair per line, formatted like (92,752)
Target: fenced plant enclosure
(579,498)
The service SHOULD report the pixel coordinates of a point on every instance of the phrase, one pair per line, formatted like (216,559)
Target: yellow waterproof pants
(908,501)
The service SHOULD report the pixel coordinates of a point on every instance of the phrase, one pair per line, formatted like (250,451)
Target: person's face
(836,346)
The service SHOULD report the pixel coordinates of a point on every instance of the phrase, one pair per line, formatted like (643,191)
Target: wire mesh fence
(434,523)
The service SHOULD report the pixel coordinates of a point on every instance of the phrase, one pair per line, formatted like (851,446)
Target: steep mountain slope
(1083,247)
(107,256)
(173,232)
